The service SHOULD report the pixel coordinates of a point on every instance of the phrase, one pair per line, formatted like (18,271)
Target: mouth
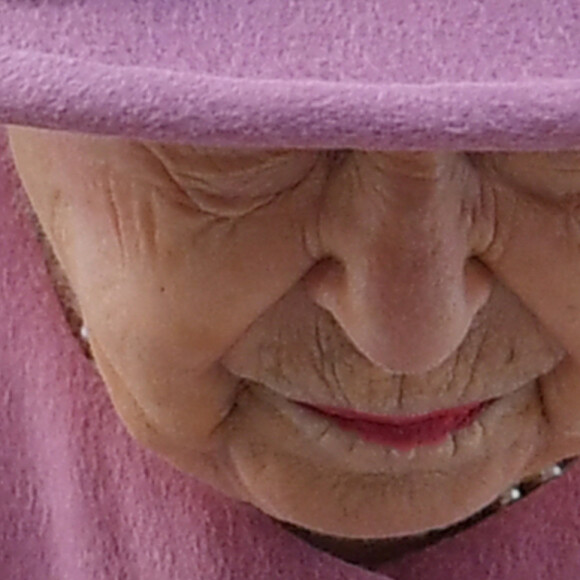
(402,433)
(401,444)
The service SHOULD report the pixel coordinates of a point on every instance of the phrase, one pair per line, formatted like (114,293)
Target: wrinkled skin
(217,286)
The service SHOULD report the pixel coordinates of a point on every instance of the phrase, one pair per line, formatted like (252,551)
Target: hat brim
(58,90)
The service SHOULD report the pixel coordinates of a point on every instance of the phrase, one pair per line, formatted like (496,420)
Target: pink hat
(375,74)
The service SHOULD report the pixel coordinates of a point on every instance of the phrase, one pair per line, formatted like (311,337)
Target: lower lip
(403,433)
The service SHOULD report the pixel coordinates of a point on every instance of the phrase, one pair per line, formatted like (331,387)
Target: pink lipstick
(403,433)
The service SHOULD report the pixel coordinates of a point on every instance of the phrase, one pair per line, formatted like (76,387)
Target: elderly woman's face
(221,288)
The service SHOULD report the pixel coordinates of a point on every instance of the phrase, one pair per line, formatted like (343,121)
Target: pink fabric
(80,500)
(451,74)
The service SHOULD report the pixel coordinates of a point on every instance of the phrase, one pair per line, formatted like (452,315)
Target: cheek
(65,182)
(165,290)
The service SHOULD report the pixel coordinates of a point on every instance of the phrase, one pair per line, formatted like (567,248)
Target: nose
(398,273)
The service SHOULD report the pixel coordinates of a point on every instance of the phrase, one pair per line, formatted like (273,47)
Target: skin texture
(220,285)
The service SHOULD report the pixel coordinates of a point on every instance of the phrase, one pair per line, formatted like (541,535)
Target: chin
(332,483)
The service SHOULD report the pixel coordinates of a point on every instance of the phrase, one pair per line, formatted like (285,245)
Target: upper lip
(390,409)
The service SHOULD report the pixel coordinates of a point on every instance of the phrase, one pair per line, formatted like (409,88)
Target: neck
(368,554)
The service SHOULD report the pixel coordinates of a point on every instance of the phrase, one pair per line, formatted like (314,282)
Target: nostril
(325,282)
(479,281)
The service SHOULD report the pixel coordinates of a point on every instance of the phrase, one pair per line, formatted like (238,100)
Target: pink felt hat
(375,74)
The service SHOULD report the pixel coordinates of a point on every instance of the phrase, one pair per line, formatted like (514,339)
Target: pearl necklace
(520,490)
